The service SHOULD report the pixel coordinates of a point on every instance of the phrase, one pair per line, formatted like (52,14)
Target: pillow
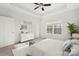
(74,50)
(67,45)
(72,46)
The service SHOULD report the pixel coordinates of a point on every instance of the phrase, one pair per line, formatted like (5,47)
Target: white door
(7,29)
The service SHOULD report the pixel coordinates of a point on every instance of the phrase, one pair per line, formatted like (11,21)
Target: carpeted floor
(6,51)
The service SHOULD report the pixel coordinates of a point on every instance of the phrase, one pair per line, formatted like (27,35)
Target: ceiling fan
(41,5)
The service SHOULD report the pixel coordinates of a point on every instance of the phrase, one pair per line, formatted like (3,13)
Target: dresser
(26,37)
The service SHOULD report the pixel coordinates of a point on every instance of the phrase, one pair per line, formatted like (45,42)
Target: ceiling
(29,7)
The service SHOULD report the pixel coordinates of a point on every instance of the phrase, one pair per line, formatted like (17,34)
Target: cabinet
(27,36)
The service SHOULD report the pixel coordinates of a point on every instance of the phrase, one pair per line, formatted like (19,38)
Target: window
(54,28)
(49,29)
(57,28)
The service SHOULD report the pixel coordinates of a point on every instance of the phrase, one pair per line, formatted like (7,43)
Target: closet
(7,31)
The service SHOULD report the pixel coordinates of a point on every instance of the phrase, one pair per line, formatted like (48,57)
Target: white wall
(39,22)
(7,31)
(64,17)
(34,21)
(18,16)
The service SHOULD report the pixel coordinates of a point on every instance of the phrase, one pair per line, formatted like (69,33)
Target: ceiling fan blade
(36,3)
(46,4)
(42,9)
(36,8)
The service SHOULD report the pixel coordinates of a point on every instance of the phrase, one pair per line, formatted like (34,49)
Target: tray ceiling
(29,7)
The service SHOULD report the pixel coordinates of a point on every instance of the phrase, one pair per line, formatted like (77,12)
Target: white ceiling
(55,7)
(28,8)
